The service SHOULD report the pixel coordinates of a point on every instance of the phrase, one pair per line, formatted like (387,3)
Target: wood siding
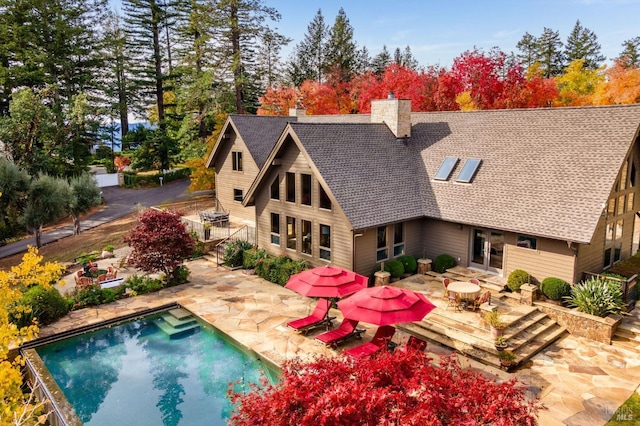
(446,238)
(341,236)
(552,258)
(591,256)
(227,179)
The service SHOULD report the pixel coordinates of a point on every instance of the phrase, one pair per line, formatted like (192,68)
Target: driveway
(119,202)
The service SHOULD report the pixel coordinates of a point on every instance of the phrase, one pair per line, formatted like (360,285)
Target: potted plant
(507,358)
(500,343)
(495,323)
(207,230)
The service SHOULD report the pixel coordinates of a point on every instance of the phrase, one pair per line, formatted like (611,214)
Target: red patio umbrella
(327,281)
(386,305)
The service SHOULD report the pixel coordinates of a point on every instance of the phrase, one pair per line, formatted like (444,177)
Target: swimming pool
(167,368)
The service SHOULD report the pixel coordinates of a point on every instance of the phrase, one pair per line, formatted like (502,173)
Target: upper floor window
(325,202)
(275,189)
(325,242)
(291,187)
(236,157)
(237,195)
(306,189)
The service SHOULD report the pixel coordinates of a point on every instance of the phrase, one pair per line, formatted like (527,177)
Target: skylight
(446,168)
(468,170)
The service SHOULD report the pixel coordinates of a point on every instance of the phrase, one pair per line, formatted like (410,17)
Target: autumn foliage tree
(160,243)
(121,162)
(399,388)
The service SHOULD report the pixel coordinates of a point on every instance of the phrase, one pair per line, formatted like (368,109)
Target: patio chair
(346,331)
(102,277)
(317,319)
(483,298)
(112,274)
(417,343)
(474,281)
(454,301)
(382,339)
(84,282)
(445,284)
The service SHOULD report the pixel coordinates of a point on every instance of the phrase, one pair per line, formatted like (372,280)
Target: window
(291,232)
(398,239)
(325,202)
(382,252)
(325,242)
(275,189)
(291,187)
(632,177)
(630,205)
(275,229)
(237,195)
(621,205)
(447,166)
(527,242)
(237,161)
(468,170)
(306,189)
(307,236)
(623,176)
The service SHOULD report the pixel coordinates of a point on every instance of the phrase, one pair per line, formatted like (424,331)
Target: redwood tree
(401,388)
(160,242)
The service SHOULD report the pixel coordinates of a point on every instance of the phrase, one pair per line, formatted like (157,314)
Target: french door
(487,250)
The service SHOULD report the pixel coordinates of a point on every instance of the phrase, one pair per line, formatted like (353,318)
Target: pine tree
(630,56)
(550,56)
(582,43)
(268,61)
(341,51)
(308,59)
(528,47)
(380,62)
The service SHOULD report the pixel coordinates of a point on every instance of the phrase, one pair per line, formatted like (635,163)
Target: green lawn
(628,413)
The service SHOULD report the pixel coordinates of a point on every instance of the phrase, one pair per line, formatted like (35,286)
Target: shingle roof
(544,172)
(260,133)
(369,172)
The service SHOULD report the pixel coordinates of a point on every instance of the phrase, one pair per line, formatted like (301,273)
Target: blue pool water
(134,374)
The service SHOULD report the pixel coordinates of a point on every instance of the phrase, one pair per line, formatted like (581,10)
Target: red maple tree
(160,242)
(399,388)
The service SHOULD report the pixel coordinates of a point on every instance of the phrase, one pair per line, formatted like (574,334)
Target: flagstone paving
(581,382)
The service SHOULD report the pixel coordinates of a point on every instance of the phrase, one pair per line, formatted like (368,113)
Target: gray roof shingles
(260,133)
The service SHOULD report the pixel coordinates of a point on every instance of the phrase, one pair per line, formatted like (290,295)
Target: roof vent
(390,95)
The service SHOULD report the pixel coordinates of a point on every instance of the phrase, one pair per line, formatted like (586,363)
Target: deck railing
(245,233)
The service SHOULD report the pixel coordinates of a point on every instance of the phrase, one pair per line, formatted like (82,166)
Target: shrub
(279,269)
(108,248)
(628,267)
(107,295)
(251,257)
(555,288)
(180,276)
(234,252)
(494,319)
(597,297)
(410,264)
(89,296)
(46,306)
(516,278)
(444,262)
(396,268)
(142,285)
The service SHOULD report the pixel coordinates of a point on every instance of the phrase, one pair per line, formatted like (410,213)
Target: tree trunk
(236,58)
(38,234)
(76,224)
(158,63)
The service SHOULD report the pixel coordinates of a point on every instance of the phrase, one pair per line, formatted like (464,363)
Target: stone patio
(580,381)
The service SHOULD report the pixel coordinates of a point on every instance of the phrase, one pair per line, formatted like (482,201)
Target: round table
(467,291)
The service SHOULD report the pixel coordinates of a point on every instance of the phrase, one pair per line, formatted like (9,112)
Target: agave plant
(597,297)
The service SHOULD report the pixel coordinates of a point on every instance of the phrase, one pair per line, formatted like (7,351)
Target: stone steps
(177,323)
(528,333)
(628,338)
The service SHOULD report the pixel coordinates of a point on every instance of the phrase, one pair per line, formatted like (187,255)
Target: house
(552,191)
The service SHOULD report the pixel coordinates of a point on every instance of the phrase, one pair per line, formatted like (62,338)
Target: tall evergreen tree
(630,56)
(528,47)
(308,61)
(268,62)
(363,61)
(341,49)
(550,55)
(582,43)
(380,62)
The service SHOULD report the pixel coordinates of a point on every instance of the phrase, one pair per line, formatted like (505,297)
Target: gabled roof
(544,172)
(259,133)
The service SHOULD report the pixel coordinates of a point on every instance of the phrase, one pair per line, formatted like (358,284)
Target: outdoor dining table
(467,291)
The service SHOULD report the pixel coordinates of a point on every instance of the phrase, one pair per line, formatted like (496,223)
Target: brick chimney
(395,113)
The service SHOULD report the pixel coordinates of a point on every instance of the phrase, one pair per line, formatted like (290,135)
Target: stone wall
(581,324)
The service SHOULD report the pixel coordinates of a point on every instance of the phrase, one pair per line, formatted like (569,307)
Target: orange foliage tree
(277,101)
(622,86)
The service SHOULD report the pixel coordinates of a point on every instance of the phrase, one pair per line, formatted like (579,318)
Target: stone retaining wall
(581,324)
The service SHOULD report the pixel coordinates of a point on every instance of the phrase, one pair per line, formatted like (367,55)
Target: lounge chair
(382,339)
(318,318)
(347,330)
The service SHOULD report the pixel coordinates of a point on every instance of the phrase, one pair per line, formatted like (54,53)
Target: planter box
(581,324)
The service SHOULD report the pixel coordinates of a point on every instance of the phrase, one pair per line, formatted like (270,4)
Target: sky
(437,31)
